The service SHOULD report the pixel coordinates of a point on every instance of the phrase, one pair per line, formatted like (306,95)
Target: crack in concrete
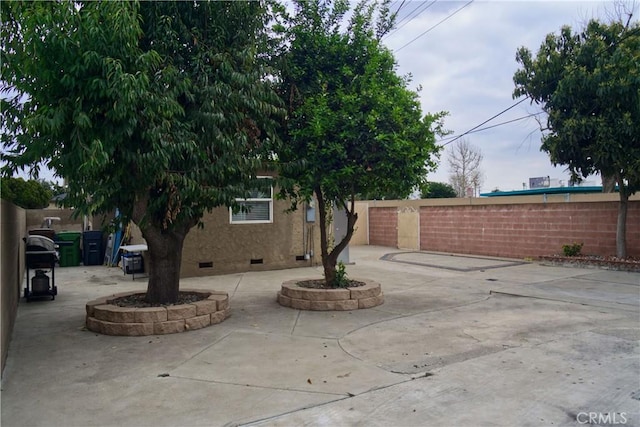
(295,324)
(237,285)
(589,303)
(346,394)
(470,336)
(203,349)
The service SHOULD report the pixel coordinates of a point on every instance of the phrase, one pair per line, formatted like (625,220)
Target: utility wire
(486,121)
(476,128)
(399,8)
(555,80)
(404,18)
(493,126)
(434,26)
(425,5)
(414,13)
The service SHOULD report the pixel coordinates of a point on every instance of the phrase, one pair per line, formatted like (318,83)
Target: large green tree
(588,83)
(157,108)
(353,126)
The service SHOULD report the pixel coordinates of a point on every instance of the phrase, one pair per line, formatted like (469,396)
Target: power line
(486,121)
(408,18)
(404,18)
(434,26)
(399,8)
(491,127)
(555,80)
(425,6)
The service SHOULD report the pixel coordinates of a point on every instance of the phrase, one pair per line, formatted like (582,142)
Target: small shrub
(341,276)
(573,249)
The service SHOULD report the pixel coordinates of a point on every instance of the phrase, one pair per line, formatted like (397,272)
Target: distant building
(540,182)
(546,190)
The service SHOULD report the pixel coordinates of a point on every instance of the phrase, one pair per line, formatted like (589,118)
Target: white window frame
(265,199)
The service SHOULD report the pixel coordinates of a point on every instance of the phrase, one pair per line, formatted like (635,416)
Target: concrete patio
(459,341)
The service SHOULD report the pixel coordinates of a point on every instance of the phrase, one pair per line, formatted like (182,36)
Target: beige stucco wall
(409,228)
(13,226)
(361,232)
(67,221)
(232,247)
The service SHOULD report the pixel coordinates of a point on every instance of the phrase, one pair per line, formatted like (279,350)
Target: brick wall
(383,226)
(526,230)
(512,227)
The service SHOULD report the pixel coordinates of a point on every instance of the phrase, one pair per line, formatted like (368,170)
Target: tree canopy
(437,190)
(29,194)
(353,127)
(588,83)
(158,108)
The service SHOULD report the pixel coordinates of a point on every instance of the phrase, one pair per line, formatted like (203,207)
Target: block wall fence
(14,220)
(514,227)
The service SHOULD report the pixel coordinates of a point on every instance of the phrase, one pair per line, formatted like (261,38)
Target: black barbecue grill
(41,256)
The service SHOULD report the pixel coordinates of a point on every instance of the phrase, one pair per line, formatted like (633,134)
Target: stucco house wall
(221,247)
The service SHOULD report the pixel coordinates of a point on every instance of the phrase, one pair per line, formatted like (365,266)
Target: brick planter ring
(108,319)
(344,299)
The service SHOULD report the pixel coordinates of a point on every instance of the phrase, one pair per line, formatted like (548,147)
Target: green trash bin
(69,248)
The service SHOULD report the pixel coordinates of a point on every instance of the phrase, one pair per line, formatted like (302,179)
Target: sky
(465,66)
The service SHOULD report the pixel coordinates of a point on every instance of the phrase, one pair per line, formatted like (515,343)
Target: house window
(257,208)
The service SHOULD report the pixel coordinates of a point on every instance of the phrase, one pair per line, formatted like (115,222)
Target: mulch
(139,301)
(322,284)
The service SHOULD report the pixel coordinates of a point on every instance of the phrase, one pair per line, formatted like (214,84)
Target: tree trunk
(164,261)
(164,254)
(621,228)
(608,183)
(328,265)
(330,259)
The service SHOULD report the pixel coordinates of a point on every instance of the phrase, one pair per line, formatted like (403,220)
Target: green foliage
(341,280)
(437,190)
(161,109)
(353,128)
(573,249)
(588,83)
(164,100)
(29,194)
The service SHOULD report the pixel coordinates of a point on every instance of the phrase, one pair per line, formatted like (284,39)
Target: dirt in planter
(138,300)
(321,284)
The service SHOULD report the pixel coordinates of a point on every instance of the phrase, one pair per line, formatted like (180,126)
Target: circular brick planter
(108,319)
(343,299)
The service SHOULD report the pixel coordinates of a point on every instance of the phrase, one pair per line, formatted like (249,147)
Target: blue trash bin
(92,250)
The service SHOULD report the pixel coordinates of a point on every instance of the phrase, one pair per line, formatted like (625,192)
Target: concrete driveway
(459,341)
